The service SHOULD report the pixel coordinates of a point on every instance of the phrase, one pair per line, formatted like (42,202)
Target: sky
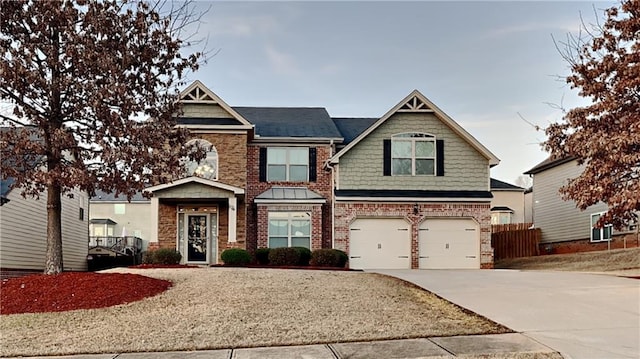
(482,63)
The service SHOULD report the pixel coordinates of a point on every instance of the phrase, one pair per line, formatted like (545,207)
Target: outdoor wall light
(416,210)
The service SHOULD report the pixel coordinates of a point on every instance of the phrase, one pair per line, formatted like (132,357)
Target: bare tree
(605,135)
(96,84)
(524,181)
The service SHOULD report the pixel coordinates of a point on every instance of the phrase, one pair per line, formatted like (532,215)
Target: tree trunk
(53,264)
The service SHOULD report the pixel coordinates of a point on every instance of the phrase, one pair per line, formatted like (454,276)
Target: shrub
(285,256)
(305,256)
(165,256)
(262,256)
(327,257)
(235,257)
(147,257)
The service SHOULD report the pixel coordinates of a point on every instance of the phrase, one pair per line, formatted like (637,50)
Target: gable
(363,166)
(193,190)
(202,108)
(416,102)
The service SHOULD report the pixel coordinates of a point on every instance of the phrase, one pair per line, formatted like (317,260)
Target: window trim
(500,214)
(288,164)
(289,219)
(602,230)
(413,138)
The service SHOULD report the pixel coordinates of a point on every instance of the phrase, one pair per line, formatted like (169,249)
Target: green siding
(204,110)
(465,167)
(193,190)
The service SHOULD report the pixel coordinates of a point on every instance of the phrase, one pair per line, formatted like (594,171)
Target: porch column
(233,211)
(153,237)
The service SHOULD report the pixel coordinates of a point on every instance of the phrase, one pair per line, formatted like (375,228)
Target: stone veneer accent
(316,222)
(347,212)
(322,186)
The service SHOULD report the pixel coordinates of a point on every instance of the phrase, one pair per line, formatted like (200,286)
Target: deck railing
(128,245)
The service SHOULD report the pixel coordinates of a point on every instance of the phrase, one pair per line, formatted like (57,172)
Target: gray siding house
(565,228)
(23,231)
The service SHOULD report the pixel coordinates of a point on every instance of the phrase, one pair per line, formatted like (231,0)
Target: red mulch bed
(75,290)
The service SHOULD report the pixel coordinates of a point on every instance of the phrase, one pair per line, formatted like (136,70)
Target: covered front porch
(200,218)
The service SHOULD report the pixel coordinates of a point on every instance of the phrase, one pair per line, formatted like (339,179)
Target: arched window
(208,166)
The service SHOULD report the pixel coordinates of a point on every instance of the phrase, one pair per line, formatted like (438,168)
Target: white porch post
(154,220)
(233,212)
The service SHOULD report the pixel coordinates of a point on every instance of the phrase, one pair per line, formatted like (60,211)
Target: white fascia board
(217,127)
(288,140)
(206,182)
(411,199)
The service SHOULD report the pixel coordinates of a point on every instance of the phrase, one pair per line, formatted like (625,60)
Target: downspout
(333,197)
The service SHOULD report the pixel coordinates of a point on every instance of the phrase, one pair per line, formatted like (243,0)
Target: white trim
(216,99)
(287,165)
(601,229)
(493,160)
(206,182)
(289,140)
(154,220)
(203,128)
(411,199)
(232,219)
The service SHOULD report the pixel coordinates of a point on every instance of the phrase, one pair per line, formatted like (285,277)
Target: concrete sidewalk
(585,316)
(498,346)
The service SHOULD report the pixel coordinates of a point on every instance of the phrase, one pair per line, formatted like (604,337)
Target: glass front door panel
(197,238)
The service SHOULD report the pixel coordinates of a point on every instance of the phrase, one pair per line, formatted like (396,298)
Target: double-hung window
(413,154)
(288,164)
(289,229)
(600,234)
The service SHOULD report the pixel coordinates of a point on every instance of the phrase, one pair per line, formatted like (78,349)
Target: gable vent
(198,95)
(414,105)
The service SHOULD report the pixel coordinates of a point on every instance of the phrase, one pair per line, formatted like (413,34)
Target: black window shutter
(263,164)
(312,164)
(439,157)
(386,154)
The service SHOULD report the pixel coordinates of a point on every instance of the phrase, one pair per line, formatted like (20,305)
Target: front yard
(210,308)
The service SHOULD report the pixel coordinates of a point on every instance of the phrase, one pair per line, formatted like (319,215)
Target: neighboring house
(565,228)
(111,216)
(528,205)
(408,190)
(23,231)
(508,204)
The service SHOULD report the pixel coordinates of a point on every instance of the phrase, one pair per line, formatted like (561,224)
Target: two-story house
(410,189)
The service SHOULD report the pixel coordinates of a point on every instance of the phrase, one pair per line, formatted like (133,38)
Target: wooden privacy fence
(495,228)
(516,243)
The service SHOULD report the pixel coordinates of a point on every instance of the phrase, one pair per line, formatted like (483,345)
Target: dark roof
(413,193)
(102,196)
(501,209)
(497,184)
(550,162)
(207,121)
(352,127)
(309,122)
(101,221)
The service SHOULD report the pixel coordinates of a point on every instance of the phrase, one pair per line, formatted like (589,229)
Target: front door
(198,234)
(197,237)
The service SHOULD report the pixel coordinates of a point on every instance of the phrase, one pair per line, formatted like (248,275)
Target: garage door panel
(449,244)
(380,243)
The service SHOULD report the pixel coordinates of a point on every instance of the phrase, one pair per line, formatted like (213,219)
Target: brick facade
(347,212)
(317,229)
(257,226)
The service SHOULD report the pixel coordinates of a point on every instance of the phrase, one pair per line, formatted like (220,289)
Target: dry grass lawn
(209,308)
(616,261)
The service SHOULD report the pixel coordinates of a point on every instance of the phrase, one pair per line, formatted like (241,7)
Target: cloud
(281,62)
(244,26)
(568,27)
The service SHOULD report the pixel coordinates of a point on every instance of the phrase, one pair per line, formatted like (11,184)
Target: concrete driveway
(579,315)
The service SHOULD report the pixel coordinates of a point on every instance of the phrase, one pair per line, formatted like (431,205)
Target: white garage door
(381,243)
(449,244)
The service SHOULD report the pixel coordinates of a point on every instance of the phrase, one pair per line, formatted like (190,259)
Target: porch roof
(197,181)
(289,195)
